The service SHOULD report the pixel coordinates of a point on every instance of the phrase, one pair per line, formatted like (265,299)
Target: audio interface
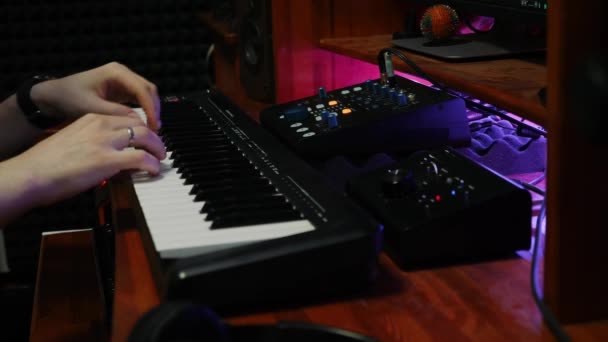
(439,206)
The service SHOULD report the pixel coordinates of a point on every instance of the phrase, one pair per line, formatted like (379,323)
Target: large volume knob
(397,183)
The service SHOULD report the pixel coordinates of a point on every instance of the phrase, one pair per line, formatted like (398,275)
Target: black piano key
(205,149)
(235,196)
(172,131)
(206,140)
(252,218)
(244,168)
(251,209)
(198,167)
(212,188)
(185,159)
(219,174)
(206,184)
(220,160)
(205,152)
(200,144)
(215,209)
(197,134)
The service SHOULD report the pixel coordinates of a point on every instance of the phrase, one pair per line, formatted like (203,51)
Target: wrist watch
(32,113)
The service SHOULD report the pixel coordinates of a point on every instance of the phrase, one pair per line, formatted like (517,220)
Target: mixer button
(333,103)
(303,129)
(346,111)
(309,134)
(297,124)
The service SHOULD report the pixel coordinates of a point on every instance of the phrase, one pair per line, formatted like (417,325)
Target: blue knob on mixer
(322,93)
(332,120)
(392,94)
(368,85)
(296,113)
(324,114)
(401,99)
(385,90)
(376,87)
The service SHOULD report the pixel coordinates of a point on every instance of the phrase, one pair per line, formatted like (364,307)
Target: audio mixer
(439,206)
(370,117)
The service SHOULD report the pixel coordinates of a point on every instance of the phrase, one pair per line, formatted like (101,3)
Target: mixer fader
(370,117)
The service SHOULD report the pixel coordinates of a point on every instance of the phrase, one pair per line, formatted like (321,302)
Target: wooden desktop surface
(512,84)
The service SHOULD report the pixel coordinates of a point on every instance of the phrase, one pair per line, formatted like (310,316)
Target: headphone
(184,322)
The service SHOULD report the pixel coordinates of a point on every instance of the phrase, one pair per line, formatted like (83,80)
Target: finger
(141,138)
(102,106)
(131,159)
(144,92)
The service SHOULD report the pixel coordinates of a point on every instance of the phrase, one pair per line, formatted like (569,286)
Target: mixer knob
(385,90)
(376,88)
(296,113)
(392,94)
(401,99)
(368,85)
(397,183)
(325,114)
(322,93)
(332,120)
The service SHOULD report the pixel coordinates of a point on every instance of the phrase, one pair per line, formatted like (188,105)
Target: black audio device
(439,206)
(370,117)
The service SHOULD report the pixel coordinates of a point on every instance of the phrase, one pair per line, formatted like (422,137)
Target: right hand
(86,152)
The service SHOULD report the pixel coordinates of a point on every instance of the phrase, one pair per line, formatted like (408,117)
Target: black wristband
(29,108)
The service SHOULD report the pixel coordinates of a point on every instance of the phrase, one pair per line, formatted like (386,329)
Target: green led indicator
(545,6)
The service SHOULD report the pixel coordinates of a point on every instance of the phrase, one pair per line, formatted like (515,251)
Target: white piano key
(179,229)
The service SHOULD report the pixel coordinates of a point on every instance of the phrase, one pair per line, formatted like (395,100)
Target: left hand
(101,90)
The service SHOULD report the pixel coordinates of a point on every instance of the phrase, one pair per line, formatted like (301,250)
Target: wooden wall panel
(577,229)
(301,67)
(344,18)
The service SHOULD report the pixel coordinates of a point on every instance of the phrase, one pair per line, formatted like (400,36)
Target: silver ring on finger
(131,134)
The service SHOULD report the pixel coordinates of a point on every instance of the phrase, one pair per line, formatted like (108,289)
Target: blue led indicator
(453,192)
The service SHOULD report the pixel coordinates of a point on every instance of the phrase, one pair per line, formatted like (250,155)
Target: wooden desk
(512,84)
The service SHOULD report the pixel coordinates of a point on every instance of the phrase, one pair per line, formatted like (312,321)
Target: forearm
(18,191)
(16,132)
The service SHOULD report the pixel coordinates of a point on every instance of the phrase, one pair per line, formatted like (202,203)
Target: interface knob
(397,183)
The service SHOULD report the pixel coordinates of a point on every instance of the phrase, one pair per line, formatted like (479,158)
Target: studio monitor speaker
(256,49)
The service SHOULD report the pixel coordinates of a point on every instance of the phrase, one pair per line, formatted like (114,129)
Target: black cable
(546,313)
(409,62)
(537,180)
(530,187)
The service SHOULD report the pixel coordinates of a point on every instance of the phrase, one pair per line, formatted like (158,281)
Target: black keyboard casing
(340,254)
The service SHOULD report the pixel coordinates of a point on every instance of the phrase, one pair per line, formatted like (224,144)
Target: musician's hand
(101,90)
(86,152)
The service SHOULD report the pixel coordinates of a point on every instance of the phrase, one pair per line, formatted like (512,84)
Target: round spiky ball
(439,23)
